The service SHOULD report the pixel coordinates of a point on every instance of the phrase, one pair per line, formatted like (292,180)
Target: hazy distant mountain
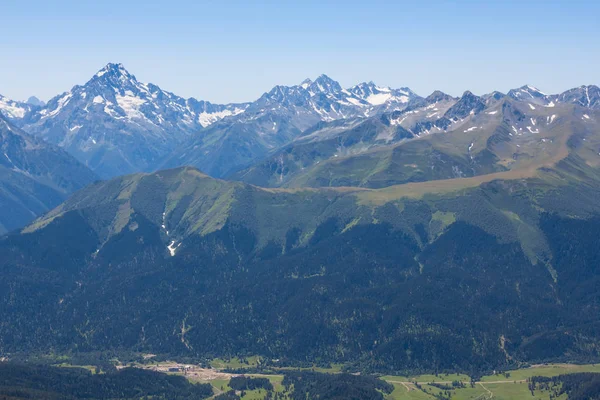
(34,101)
(34,176)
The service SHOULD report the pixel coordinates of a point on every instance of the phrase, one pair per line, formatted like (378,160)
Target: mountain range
(442,139)
(368,226)
(116,125)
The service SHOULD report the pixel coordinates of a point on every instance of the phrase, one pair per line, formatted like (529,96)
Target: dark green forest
(312,385)
(373,298)
(580,386)
(448,284)
(21,381)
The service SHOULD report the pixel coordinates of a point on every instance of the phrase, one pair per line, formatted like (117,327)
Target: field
(489,387)
(507,385)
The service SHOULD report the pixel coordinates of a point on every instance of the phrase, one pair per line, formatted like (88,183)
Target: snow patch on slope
(378,99)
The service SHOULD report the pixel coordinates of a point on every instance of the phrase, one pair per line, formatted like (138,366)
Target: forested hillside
(176,262)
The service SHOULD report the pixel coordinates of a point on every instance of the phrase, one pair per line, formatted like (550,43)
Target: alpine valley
(366,226)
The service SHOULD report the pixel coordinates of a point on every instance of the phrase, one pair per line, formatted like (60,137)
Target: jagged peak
(495,95)
(533,89)
(468,95)
(324,84)
(368,88)
(527,90)
(438,95)
(306,83)
(34,101)
(112,70)
(324,78)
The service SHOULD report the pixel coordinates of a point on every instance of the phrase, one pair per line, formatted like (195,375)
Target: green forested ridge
(494,276)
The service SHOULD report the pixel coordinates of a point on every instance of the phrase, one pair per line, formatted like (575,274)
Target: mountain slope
(423,276)
(34,177)
(470,137)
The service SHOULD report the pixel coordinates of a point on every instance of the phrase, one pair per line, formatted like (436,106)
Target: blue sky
(226,51)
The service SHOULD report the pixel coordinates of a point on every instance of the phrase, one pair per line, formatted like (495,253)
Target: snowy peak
(306,83)
(114,70)
(364,90)
(438,96)
(325,100)
(585,96)
(377,95)
(529,94)
(114,76)
(526,92)
(13,110)
(469,104)
(324,84)
(117,125)
(115,93)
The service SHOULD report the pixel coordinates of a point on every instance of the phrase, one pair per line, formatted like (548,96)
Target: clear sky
(226,51)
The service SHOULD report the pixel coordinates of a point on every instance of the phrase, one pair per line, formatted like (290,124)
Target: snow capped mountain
(390,99)
(469,104)
(14,110)
(278,117)
(324,84)
(118,94)
(529,94)
(325,100)
(586,96)
(117,125)
(438,96)
(438,113)
(34,101)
